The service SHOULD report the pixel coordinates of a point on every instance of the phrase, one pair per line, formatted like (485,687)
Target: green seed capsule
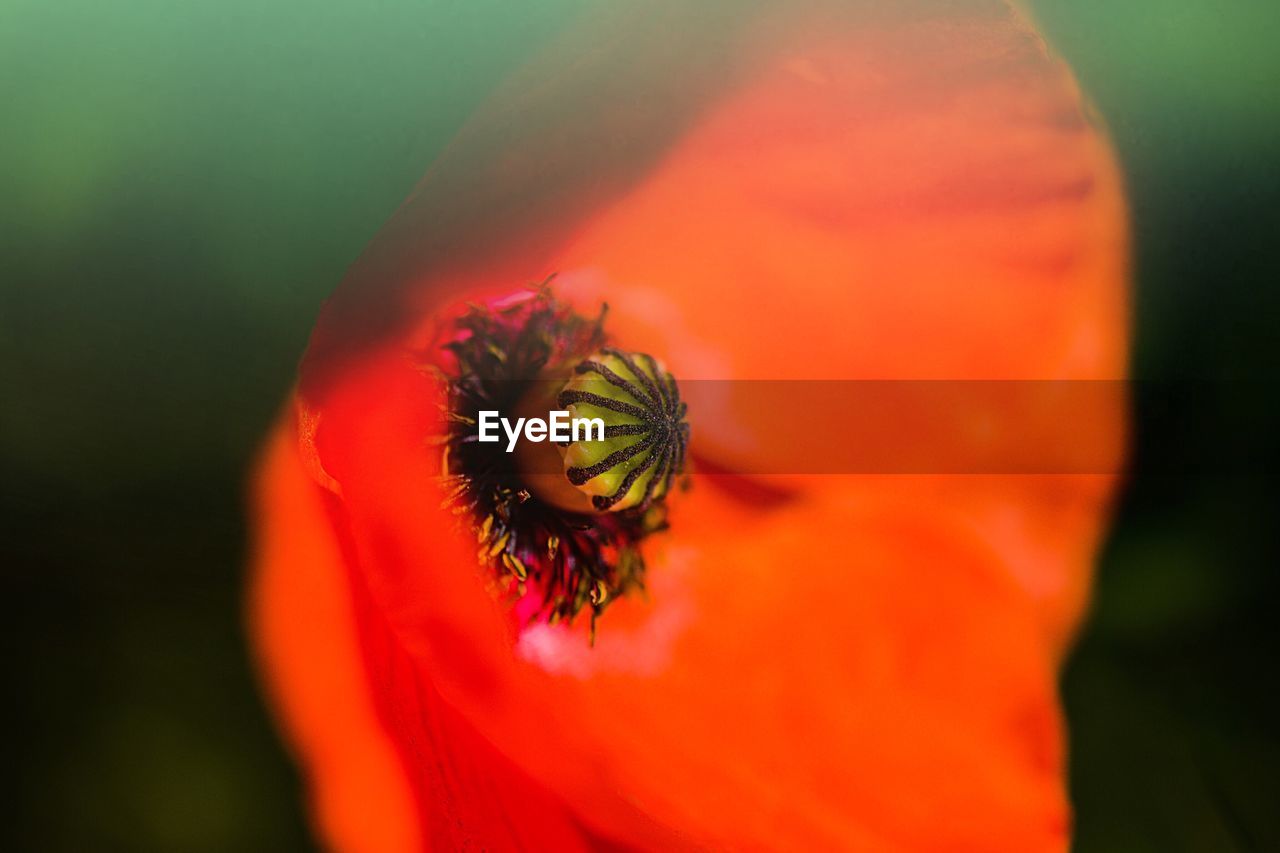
(645,433)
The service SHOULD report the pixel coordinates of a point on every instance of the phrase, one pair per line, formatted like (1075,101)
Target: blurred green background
(181,183)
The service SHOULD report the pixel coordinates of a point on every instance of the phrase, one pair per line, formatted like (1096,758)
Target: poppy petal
(328,661)
(907,193)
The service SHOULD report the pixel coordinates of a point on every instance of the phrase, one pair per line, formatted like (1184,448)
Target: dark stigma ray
(659,384)
(603,503)
(567,397)
(663,472)
(654,393)
(674,388)
(578,476)
(614,380)
(615,430)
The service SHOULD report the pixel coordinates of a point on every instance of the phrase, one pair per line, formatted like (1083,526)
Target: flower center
(560,522)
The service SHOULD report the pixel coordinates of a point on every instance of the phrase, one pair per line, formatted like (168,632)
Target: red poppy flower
(791,191)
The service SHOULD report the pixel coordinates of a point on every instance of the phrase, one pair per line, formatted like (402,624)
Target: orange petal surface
(888,194)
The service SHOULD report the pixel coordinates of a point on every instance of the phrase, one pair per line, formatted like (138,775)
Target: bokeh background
(181,183)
